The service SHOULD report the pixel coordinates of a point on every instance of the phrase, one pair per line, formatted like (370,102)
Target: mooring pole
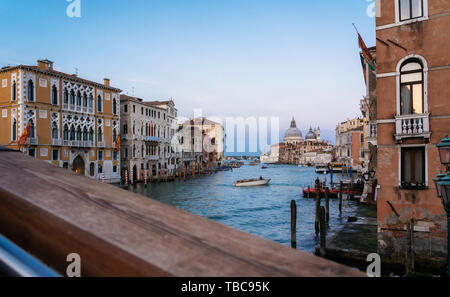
(340,197)
(293,224)
(323,232)
(327,204)
(317,207)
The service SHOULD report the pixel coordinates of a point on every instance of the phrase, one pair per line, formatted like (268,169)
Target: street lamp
(443,188)
(437,180)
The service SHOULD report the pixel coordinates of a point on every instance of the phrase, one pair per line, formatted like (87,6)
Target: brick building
(413,115)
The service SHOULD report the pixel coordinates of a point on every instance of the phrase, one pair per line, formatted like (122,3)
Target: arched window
(55,131)
(85,100)
(411,87)
(72,97)
(72,133)
(66,96)
(14,91)
(54,95)
(85,134)
(142,151)
(134,151)
(99,104)
(66,132)
(91,103)
(78,98)
(32,129)
(114,106)
(30,90)
(91,134)
(14,130)
(79,133)
(100,135)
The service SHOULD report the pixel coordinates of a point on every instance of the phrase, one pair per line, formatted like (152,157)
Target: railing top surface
(52,212)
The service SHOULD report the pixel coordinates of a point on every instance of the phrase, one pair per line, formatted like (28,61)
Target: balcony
(66,143)
(65,106)
(412,126)
(56,142)
(153,158)
(372,132)
(88,143)
(151,139)
(101,144)
(33,140)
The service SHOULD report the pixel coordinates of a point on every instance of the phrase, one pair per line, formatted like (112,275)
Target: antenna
(76,71)
(132,91)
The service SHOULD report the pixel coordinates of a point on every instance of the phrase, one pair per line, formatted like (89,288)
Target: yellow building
(73,121)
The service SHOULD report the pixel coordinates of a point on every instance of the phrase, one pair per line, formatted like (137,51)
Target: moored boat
(322,169)
(251,182)
(337,167)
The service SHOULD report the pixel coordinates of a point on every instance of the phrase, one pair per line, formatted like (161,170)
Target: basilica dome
(311,135)
(293,133)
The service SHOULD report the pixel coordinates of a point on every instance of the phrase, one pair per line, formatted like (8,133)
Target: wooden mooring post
(317,208)
(340,197)
(323,232)
(293,224)
(409,263)
(327,204)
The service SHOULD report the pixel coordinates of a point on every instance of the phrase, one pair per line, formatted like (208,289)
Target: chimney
(107,82)
(45,64)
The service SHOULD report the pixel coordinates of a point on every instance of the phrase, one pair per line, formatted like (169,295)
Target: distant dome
(311,135)
(293,132)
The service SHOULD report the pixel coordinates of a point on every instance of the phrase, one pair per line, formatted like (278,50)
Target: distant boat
(321,169)
(337,167)
(251,182)
(264,167)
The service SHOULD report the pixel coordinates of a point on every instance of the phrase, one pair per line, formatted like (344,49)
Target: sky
(231,58)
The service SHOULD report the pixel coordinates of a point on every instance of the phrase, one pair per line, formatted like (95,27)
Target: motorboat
(252,182)
(322,169)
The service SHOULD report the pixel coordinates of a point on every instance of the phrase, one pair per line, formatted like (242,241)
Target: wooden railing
(51,212)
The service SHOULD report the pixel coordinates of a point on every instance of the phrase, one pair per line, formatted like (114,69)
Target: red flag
(24,137)
(118,142)
(365,51)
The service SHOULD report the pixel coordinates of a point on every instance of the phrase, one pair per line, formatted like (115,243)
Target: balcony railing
(152,138)
(372,132)
(101,144)
(56,142)
(65,106)
(412,126)
(33,140)
(153,158)
(120,233)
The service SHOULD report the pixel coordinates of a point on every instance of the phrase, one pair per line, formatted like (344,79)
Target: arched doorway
(78,165)
(135,177)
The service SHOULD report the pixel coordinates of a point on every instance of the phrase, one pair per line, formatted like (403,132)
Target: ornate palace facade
(73,122)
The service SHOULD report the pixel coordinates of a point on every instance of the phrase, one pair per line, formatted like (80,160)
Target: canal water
(262,211)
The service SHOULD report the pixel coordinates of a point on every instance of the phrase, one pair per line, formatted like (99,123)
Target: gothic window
(66,96)
(72,133)
(14,130)
(54,131)
(114,106)
(85,100)
(54,95)
(32,129)
(91,102)
(99,104)
(66,132)
(14,91)
(100,135)
(72,97)
(78,98)
(30,90)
